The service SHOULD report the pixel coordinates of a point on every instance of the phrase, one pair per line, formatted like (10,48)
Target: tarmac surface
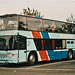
(60,67)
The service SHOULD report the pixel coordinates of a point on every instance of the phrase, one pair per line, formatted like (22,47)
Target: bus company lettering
(66,36)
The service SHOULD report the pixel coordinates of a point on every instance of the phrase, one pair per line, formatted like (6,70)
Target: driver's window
(22,42)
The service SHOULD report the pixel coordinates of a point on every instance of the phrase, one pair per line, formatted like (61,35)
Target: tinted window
(2,43)
(12,22)
(58,44)
(38,43)
(73,29)
(8,42)
(13,42)
(65,28)
(22,42)
(34,24)
(2,24)
(22,23)
(70,27)
(58,27)
(47,44)
(47,25)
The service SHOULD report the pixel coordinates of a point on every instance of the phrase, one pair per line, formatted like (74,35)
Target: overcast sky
(51,9)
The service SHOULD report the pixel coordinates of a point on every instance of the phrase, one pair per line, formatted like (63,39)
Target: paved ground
(64,67)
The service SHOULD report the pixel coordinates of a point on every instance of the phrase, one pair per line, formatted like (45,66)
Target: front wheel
(32,59)
(70,55)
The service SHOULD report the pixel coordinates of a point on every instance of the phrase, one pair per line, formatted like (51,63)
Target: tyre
(70,55)
(32,59)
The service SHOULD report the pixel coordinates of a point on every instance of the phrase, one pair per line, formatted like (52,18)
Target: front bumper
(8,61)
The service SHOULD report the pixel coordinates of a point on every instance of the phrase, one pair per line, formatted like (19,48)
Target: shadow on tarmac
(27,65)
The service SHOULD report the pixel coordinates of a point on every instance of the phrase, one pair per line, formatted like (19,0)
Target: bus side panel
(22,56)
(73,52)
(39,59)
(51,54)
(58,54)
(64,53)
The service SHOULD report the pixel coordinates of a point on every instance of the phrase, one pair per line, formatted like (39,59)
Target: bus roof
(10,15)
(7,15)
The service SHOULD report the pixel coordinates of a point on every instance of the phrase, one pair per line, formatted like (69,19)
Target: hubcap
(70,55)
(32,58)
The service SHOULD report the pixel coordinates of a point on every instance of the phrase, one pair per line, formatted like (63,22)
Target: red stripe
(36,34)
(42,54)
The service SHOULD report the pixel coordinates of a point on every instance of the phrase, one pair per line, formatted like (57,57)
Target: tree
(71,19)
(32,12)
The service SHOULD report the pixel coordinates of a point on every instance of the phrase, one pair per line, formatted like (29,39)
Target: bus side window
(12,43)
(22,26)
(58,44)
(73,29)
(48,44)
(22,23)
(2,43)
(58,27)
(70,27)
(38,44)
(47,25)
(34,24)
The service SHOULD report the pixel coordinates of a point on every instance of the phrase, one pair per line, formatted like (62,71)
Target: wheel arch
(70,50)
(34,52)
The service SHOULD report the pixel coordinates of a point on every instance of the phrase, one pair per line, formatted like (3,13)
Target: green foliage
(71,19)
(32,12)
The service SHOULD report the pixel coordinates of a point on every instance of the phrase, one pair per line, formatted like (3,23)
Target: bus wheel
(70,55)
(32,59)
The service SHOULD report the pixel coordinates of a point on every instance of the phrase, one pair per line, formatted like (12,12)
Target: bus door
(22,51)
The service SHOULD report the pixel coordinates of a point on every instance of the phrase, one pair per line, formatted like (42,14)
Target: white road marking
(46,69)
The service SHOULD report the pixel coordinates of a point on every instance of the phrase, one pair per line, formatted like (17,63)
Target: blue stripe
(51,54)
(45,35)
(73,53)
(57,55)
(64,54)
